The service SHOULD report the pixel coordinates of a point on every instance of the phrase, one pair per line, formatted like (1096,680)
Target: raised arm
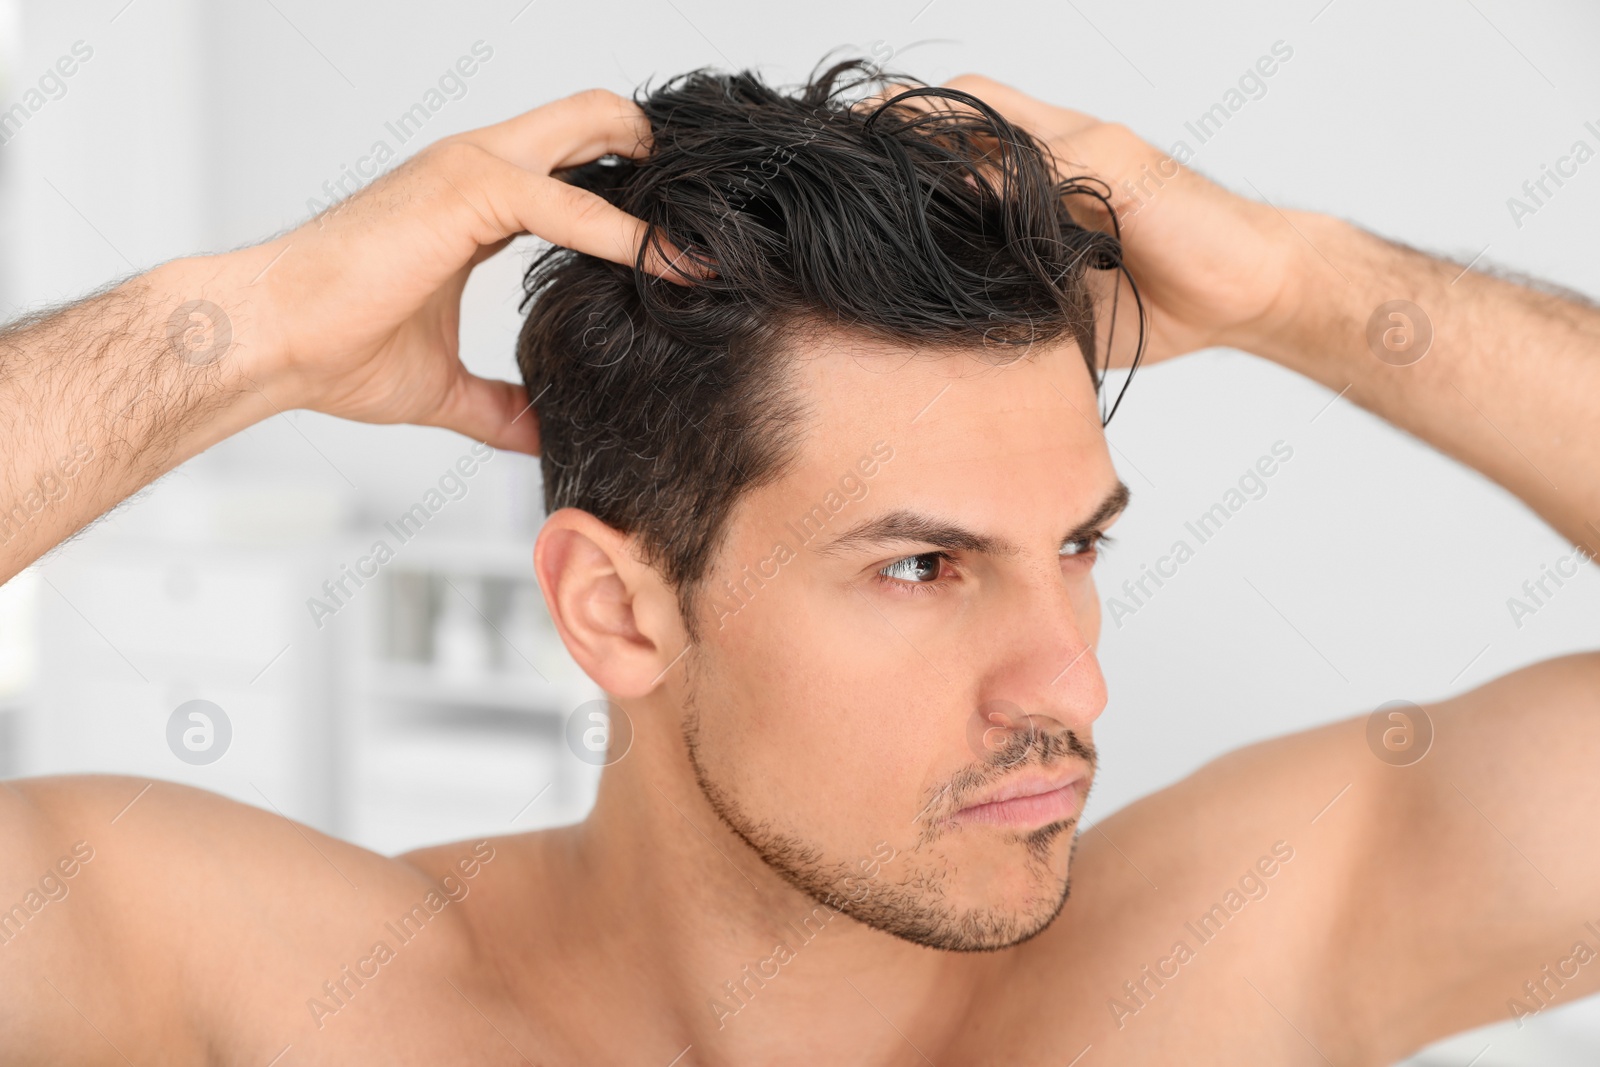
(354,314)
(1466,874)
(1509,385)
(1508,382)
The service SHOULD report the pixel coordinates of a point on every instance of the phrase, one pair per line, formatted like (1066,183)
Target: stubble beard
(914,907)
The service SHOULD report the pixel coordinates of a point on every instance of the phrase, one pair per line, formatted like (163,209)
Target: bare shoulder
(506,889)
(1334,793)
(1261,813)
(1324,876)
(169,917)
(1493,832)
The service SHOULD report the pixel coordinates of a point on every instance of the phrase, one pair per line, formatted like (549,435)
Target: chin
(976,899)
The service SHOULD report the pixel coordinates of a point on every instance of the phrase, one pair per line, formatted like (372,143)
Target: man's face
(893,696)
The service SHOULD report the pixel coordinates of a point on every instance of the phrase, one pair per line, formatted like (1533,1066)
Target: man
(828,478)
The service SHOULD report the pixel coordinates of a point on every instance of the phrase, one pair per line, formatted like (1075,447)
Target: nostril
(1001,730)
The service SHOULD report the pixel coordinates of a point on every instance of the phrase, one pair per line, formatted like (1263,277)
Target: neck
(655,903)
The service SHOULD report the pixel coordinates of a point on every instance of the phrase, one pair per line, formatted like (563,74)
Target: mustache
(1022,749)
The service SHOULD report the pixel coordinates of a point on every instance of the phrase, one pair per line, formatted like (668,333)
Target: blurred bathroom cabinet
(132,629)
(429,704)
(463,691)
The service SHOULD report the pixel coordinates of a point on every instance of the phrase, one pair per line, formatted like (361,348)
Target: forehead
(967,433)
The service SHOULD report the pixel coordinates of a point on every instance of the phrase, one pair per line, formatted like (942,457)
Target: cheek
(816,720)
(1085,598)
(1089,615)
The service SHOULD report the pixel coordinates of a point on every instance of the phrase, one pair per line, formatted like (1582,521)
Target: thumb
(492,411)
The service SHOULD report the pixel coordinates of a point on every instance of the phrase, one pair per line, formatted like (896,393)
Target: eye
(1087,545)
(921,569)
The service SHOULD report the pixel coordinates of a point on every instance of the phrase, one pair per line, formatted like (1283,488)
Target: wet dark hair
(927,220)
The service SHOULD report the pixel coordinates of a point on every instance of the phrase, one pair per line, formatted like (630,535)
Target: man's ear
(616,615)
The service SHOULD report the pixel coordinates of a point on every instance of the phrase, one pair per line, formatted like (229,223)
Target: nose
(1045,679)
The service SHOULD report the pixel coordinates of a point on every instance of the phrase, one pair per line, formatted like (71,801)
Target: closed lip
(1034,798)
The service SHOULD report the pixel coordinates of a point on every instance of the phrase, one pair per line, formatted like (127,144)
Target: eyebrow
(903,525)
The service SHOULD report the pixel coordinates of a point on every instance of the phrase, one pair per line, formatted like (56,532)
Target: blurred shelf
(416,683)
(500,558)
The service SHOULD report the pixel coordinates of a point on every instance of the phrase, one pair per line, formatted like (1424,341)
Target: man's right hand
(358,311)
(354,314)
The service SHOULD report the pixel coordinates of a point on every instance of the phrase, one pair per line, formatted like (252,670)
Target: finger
(488,251)
(1080,145)
(578,219)
(1024,110)
(612,124)
(495,412)
(574,130)
(888,92)
(449,293)
(504,200)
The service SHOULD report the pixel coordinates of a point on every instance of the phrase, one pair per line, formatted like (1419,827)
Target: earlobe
(607,605)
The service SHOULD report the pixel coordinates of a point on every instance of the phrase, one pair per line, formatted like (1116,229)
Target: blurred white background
(429,705)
